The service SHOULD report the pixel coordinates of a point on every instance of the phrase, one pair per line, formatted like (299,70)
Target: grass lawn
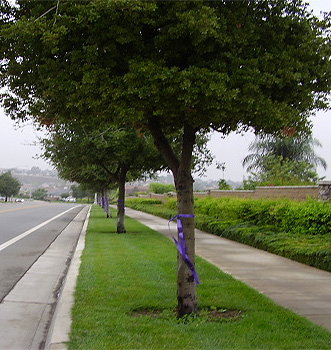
(126,296)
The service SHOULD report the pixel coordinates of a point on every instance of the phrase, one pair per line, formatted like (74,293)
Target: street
(26,231)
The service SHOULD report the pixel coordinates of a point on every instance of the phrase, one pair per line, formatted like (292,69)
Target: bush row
(310,217)
(259,223)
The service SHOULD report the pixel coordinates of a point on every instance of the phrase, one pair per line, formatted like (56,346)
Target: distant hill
(34,178)
(199,183)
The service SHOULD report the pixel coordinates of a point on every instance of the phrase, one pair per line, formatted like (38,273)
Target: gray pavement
(298,287)
(27,311)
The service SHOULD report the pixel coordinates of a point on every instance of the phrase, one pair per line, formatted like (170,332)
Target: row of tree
(119,79)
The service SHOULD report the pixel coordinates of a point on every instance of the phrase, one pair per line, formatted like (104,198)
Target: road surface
(26,231)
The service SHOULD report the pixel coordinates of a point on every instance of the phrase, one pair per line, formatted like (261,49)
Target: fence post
(324,190)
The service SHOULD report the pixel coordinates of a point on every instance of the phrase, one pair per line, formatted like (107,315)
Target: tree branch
(112,175)
(162,144)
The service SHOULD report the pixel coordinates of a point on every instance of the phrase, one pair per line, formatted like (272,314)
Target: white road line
(26,233)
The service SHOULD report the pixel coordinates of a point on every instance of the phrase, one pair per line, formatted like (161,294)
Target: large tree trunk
(121,203)
(181,169)
(186,284)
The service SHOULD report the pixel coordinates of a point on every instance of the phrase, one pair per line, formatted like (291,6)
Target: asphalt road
(26,231)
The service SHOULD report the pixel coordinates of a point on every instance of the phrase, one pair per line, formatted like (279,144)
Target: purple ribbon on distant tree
(105,205)
(181,244)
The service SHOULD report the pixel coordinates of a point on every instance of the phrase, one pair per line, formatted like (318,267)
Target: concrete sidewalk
(301,288)
(27,311)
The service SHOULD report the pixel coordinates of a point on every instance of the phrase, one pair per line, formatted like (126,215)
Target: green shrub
(151,206)
(158,188)
(310,217)
(142,201)
(171,203)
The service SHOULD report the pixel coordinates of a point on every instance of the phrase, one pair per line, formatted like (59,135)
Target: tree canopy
(102,158)
(9,186)
(39,193)
(298,148)
(164,67)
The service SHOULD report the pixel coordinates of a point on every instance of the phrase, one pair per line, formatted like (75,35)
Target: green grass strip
(124,274)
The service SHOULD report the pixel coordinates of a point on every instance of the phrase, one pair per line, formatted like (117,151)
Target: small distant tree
(223,185)
(65,195)
(283,172)
(9,186)
(283,160)
(78,191)
(299,148)
(159,188)
(39,194)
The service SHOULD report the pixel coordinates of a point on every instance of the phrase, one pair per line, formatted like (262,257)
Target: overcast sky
(18,148)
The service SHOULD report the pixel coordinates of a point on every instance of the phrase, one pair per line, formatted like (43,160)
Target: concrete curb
(59,331)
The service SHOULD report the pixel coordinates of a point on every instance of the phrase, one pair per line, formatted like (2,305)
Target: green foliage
(99,159)
(152,206)
(281,161)
(223,185)
(298,148)
(312,217)
(159,188)
(9,186)
(284,172)
(169,68)
(78,191)
(125,299)
(39,193)
(142,201)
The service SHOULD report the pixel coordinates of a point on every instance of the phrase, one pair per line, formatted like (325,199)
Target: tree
(78,191)
(9,186)
(288,148)
(282,172)
(93,156)
(167,67)
(39,194)
(223,185)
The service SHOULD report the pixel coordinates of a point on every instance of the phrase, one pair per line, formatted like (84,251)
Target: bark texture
(121,203)
(186,285)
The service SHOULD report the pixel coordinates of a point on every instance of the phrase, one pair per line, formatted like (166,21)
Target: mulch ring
(224,314)
(210,315)
(154,313)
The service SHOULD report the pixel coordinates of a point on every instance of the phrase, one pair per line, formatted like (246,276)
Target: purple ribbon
(105,204)
(181,244)
(120,203)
